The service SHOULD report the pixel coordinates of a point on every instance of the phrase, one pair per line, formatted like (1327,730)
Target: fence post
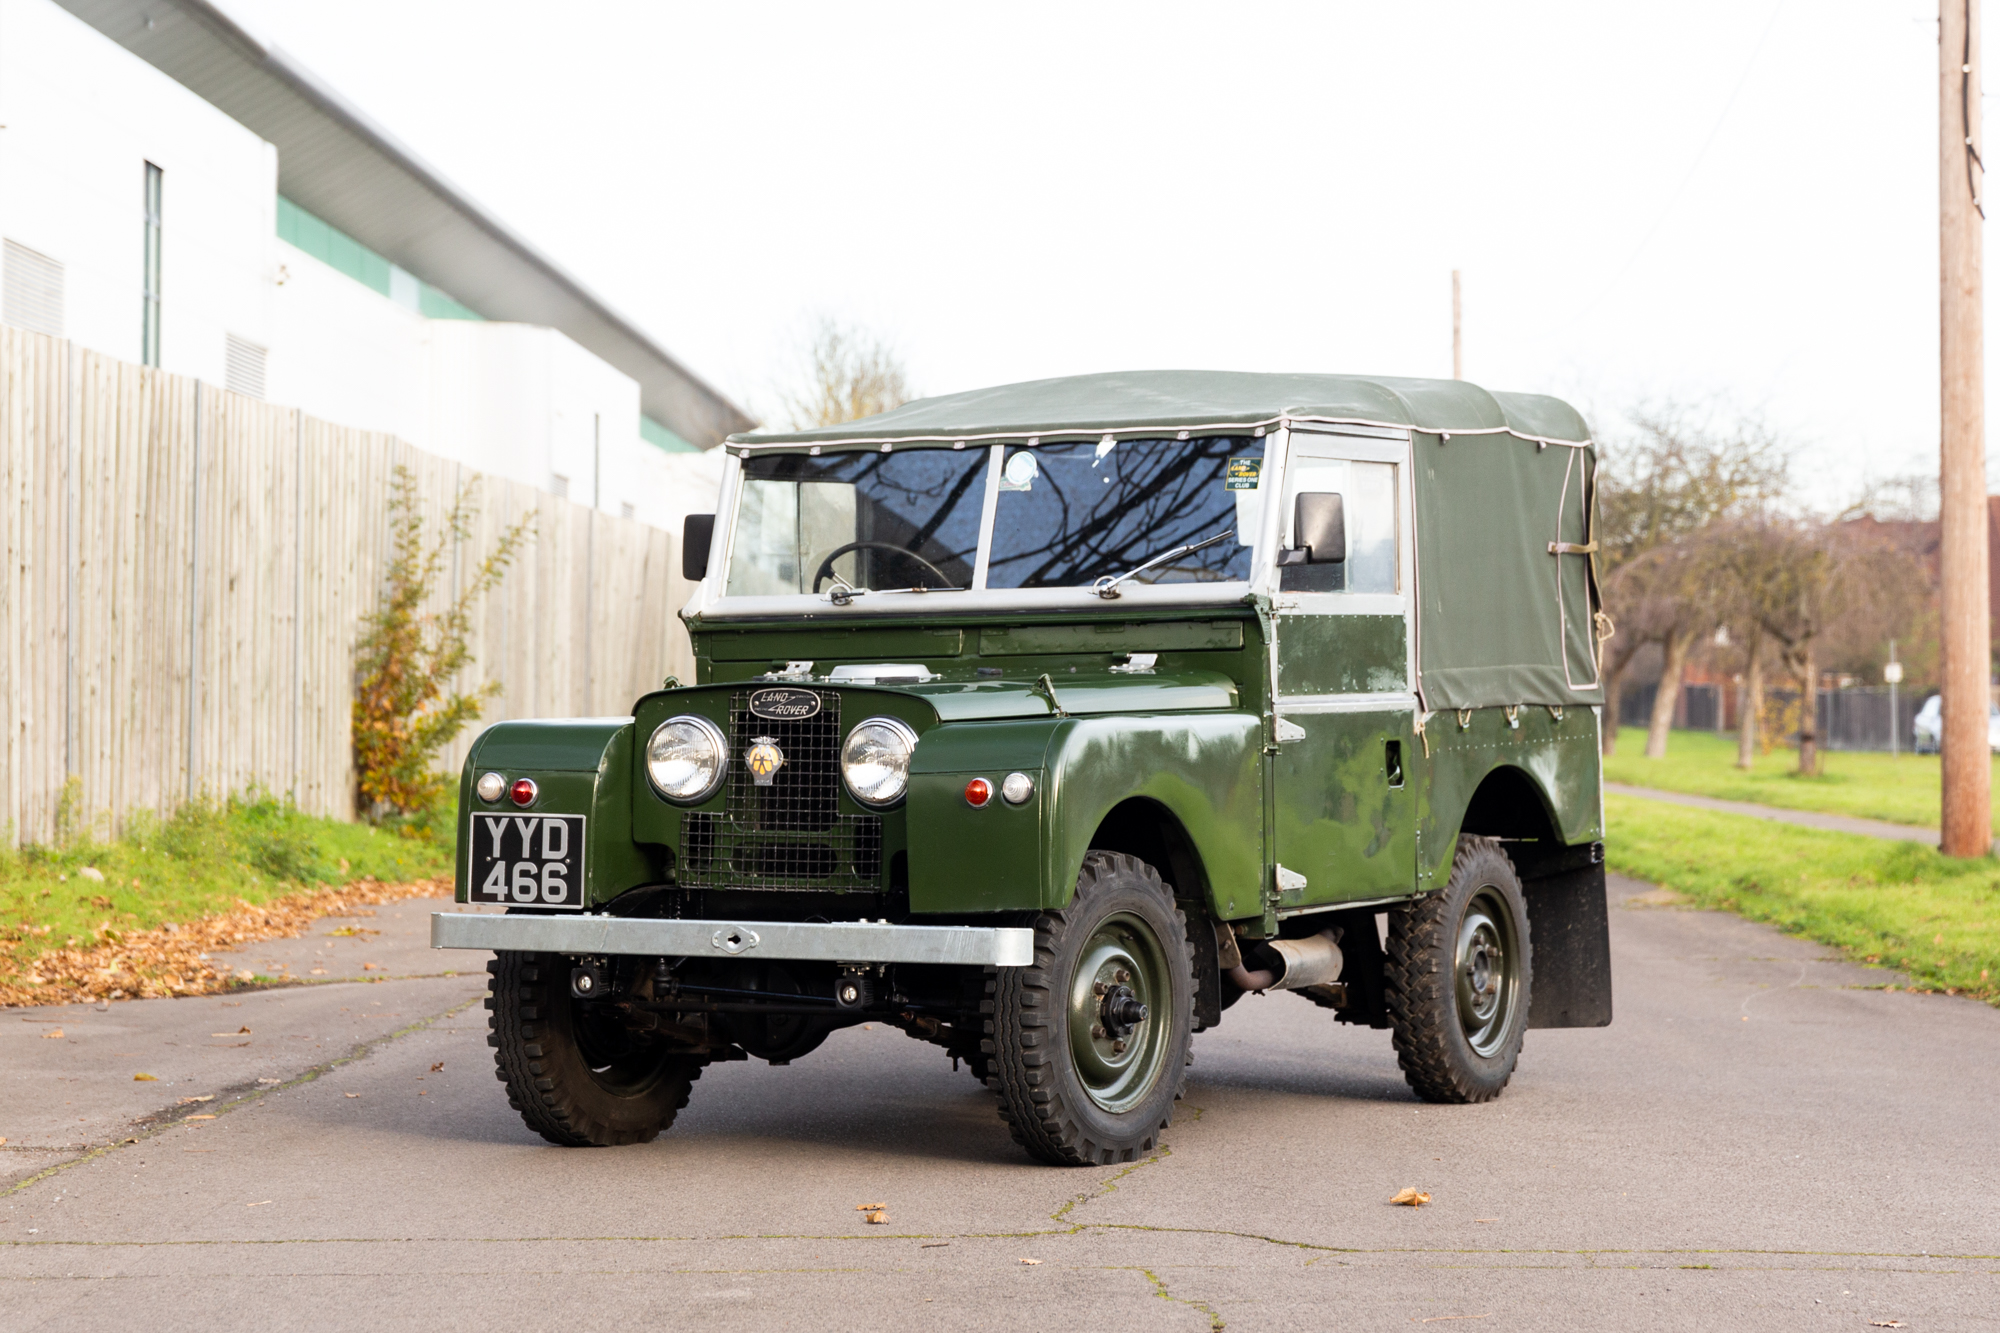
(194,603)
(298,597)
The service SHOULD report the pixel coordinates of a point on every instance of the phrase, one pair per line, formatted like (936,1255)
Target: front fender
(581,766)
(1204,768)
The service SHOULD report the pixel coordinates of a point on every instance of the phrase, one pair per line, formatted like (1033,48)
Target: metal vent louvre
(791,834)
(31,291)
(242,366)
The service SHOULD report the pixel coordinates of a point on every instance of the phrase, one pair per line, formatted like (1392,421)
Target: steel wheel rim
(1122,953)
(1486,973)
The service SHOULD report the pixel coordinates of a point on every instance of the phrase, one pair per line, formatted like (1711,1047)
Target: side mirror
(1319,530)
(697,532)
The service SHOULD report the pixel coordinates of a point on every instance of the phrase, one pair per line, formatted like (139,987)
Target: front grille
(791,834)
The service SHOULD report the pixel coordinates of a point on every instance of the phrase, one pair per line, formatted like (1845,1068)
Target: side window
(1367,492)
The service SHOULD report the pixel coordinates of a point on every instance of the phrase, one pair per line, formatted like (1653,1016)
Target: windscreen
(1070,514)
(870,520)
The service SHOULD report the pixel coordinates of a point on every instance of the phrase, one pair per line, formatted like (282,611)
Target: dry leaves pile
(151,964)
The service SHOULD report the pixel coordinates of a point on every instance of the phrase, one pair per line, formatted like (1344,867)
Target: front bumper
(826,942)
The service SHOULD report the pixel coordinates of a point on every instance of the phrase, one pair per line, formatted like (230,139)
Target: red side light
(978,792)
(523,792)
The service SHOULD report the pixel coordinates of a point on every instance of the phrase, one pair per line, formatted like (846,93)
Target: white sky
(1686,200)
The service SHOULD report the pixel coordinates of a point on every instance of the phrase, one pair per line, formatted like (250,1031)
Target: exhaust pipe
(1300,963)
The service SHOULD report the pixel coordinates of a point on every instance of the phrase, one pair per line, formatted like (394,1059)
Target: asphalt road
(1764,1140)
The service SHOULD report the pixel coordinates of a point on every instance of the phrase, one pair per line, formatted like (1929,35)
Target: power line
(1708,143)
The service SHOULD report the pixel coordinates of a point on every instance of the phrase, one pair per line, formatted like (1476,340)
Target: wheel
(1458,975)
(577,1080)
(1088,1046)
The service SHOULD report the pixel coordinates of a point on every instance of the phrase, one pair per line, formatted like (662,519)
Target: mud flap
(1571,930)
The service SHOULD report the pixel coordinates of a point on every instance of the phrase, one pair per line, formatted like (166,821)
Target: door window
(1368,506)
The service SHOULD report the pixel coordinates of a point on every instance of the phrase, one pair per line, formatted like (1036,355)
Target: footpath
(78,1078)
(1873,828)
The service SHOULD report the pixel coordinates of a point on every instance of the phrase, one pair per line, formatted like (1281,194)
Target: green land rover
(1048,722)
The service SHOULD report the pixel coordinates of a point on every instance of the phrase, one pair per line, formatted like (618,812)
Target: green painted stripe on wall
(653,433)
(341,252)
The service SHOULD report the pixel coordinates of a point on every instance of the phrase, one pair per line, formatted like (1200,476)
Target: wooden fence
(187,570)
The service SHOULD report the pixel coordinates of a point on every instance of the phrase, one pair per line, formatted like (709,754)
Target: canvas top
(1130,401)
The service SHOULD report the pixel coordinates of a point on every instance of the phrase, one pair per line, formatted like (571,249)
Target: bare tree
(1803,581)
(850,373)
(1678,472)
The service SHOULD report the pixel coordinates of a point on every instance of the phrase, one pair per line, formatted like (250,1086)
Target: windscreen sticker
(1243,474)
(1020,472)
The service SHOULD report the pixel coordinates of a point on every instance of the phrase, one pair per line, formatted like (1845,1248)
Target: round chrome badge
(764,759)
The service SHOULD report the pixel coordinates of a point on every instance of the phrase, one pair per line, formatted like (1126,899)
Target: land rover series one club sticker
(528,860)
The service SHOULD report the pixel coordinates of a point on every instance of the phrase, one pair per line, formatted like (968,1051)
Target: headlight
(876,760)
(686,758)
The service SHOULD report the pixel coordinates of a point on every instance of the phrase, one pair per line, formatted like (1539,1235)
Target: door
(1348,755)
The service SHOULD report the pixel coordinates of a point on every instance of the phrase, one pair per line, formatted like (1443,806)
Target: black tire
(1459,976)
(575,1084)
(1095,1091)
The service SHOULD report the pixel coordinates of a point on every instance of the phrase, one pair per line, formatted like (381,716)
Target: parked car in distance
(1928,730)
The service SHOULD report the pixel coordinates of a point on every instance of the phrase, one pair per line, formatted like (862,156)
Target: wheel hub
(1487,982)
(1121,976)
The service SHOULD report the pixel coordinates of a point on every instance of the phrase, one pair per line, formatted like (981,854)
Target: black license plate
(528,860)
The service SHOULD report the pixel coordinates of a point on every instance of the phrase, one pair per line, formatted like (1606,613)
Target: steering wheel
(825,570)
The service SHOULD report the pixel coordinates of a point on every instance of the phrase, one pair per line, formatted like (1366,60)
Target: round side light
(523,791)
(978,792)
(1017,788)
(491,787)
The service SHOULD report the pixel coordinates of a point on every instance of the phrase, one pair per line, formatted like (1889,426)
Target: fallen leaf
(190,1101)
(177,958)
(51,1036)
(872,1217)
(3,1142)
(319,971)
(227,1034)
(1031,1261)
(868,1207)
(145,1078)
(259,1204)
(350,1094)
(371,967)
(201,1117)
(270,1080)
(436,1067)
(1412,1197)
(878,1217)
(1486,1219)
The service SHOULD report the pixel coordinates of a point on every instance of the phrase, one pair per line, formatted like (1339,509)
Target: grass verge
(217,872)
(1899,904)
(1902,789)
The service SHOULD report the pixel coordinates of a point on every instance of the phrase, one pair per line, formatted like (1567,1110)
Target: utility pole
(1967,633)
(1457,347)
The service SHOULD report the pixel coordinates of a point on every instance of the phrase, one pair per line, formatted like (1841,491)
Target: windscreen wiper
(1107,587)
(841,593)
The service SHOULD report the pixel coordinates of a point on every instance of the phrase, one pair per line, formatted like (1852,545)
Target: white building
(175,192)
